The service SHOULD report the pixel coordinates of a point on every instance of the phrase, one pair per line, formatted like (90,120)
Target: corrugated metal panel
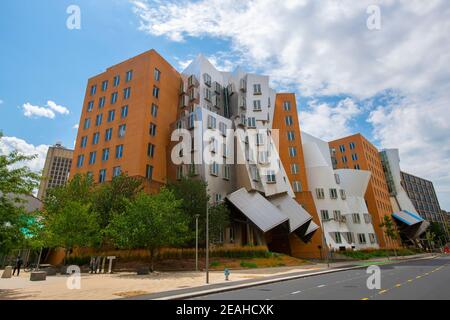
(406,218)
(312,228)
(295,212)
(258,209)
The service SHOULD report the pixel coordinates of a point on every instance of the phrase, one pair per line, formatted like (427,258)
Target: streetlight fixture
(196,241)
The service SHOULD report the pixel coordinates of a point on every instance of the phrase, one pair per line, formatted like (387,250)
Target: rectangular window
(124,112)
(256,89)
(93,89)
(152,130)
(90,106)
(292,151)
(251,122)
(80,161)
(114,97)
(111,115)
(154,110)
(337,216)
(95,138)
(344,159)
(367,218)
(287,106)
(191,121)
(116,81)
(289,121)
(255,173)
(122,130)
(223,128)
(149,172)
(102,176)
(101,102)
(214,169)
(157,75)
(156,92)
(294,168)
(84,141)
(119,152)
(297,186)
(105,85)
(291,135)
(343,194)
(354,157)
(179,172)
(129,76)
(333,194)
(87,123)
(117,171)
(324,215)
(372,238)
(226,172)
(337,237)
(150,150)
(352,145)
(356,218)
(108,134)
(320,193)
(271,177)
(126,93)
(357,167)
(98,119)
(211,122)
(342,148)
(92,157)
(207,79)
(256,105)
(361,238)
(337,178)
(105,154)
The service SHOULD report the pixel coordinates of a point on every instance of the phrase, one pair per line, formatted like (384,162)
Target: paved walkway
(127,285)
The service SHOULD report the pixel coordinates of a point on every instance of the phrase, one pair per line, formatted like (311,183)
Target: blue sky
(347,78)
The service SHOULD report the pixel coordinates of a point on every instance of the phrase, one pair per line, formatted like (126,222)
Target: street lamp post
(196,241)
(207,243)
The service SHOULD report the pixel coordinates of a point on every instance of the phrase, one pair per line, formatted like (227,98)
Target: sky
(381,71)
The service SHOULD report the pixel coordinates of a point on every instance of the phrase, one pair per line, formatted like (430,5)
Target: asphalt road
(418,280)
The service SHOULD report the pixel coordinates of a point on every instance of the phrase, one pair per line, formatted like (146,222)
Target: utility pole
(196,241)
(207,242)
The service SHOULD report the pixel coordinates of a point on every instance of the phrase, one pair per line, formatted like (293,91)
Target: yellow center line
(398,285)
(410,280)
(383,291)
(365,299)
(418,277)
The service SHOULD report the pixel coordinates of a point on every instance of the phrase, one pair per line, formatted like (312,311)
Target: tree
(219,217)
(73,225)
(390,230)
(16,180)
(150,222)
(110,198)
(438,231)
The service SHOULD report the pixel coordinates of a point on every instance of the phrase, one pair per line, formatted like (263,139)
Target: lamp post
(207,242)
(196,241)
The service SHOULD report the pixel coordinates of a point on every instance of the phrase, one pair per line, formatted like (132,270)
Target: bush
(215,264)
(381,253)
(249,265)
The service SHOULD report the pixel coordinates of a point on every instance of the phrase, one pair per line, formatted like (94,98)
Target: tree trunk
(152,258)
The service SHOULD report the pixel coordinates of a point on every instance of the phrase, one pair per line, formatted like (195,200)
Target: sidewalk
(157,285)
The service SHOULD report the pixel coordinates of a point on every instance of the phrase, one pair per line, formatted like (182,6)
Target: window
(226,172)
(156,92)
(129,76)
(150,150)
(101,102)
(111,115)
(357,167)
(320,193)
(337,178)
(207,79)
(294,168)
(93,89)
(80,161)
(119,151)
(126,93)
(271,178)
(191,121)
(149,172)
(122,130)
(324,215)
(259,139)
(105,85)
(92,157)
(372,238)
(251,122)
(256,89)
(105,154)
(116,81)
(98,119)
(367,218)
(90,106)
(356,218)
(287,106)
(211,122)
(117,171)
(337,237)
(157,75)
(114,97)
(154,110)
(333,194)
(263,157)
(102,176)
(179,172)
(255,173)
(152,130)
(350,237)
(361,238)
(343,194)
(289,121)
(291,135)
(337,216)
(124,112)
(214,169)
(213,145)
(87,123)
(352,145)
(95,138)
(297,186)
(344,159)
(354,157)
(108,134)
(84,142)
(292,151)
(342,148)
(223,128)
(256,105)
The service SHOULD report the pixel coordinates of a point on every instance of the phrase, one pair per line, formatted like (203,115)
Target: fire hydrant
(226,272)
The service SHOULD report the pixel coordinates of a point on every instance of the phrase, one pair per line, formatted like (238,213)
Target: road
(418,280)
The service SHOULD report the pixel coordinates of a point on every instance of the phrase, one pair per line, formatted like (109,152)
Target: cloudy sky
(392,83)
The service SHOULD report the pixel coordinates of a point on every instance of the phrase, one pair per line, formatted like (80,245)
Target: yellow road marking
(398,285)
(418,277)
(383,291)
(410,280)
(365,299)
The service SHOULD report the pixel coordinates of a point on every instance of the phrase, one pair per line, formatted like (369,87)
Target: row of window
(333,193)
(352,146)
(111,117)
(337,237)
(105,156)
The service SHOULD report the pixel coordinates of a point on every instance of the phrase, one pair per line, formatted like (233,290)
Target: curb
(282,279)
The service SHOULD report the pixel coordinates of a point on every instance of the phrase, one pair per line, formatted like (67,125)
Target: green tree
(16,181)
(438,231)
(73,225)
(110,198)
(150,222)
(219,216)
(390,230)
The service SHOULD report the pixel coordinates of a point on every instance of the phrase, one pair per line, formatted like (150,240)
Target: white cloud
(76,126)
(9,144)
(329,122)
(49,111)
(322,48)
(1,101)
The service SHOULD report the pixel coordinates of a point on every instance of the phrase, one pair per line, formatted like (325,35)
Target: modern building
(424,199)
(358,153)
(410,223)
(56,169)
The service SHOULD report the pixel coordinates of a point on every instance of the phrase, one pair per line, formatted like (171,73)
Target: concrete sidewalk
(160,285)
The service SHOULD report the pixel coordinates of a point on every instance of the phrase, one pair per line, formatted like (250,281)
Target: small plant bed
(382,253)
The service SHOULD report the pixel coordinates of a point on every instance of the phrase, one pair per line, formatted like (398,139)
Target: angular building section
(56,169)
(356,152)
(125,121)
(424,199)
